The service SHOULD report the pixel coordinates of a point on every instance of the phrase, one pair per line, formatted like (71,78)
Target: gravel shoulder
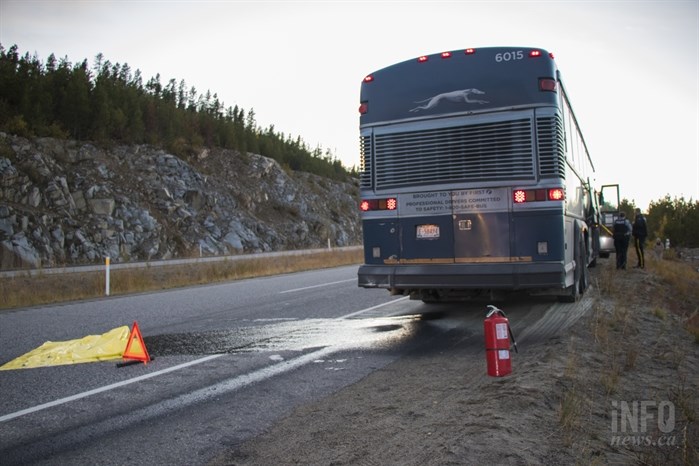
(570,399)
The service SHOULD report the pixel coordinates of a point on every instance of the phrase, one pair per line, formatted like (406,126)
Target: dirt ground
(618,386)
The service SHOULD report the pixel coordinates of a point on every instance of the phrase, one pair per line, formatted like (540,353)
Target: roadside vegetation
(644,329)
(674,219)
(25,291)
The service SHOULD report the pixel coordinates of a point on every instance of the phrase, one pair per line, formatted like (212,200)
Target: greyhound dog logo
(453,96)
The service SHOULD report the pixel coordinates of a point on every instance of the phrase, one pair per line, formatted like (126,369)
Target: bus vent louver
(365,162)
(551,149)
(494,151)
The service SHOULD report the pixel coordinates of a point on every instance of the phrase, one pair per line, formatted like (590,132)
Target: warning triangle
(135,347)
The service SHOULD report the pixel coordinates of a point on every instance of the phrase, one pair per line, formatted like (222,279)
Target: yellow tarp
(110,345)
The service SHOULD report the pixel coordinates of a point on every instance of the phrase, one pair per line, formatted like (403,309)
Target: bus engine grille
(495,151)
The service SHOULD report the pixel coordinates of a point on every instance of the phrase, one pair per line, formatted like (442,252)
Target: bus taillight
(556,194)
(520,196)
(363,108)
(547,84)
(378,204)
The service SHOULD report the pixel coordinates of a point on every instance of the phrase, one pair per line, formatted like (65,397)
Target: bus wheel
(579,282)
(584,276)
(572,293)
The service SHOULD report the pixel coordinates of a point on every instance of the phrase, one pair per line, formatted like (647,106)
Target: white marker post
(106,280)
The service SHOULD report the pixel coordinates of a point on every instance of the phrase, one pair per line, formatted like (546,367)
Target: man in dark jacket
(622,235)
(640,233)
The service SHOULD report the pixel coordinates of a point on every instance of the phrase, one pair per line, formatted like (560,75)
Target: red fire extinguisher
(497,342)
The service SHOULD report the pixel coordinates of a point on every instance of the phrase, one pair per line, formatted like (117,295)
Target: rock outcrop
(69,203)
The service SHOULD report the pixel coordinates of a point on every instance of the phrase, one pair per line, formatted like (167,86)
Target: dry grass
(570,411)
(615,327)
(625,339)
(681,297)
(28,290)
(667,290)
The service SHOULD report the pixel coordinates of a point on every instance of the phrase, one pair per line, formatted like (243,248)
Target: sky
(630,67)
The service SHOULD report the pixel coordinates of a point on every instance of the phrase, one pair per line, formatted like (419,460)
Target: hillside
(68,202)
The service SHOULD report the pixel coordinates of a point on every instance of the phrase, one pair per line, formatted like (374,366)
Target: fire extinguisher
(497,342)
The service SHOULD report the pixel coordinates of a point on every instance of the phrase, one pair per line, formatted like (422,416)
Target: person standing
(640,233)
(622,235)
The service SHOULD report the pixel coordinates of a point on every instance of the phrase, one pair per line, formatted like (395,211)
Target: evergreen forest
(109,103)
(674,219)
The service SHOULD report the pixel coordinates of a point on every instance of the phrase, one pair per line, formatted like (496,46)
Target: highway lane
(230,360)
(251,349)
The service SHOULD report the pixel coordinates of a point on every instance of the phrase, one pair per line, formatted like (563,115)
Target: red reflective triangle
(135,347)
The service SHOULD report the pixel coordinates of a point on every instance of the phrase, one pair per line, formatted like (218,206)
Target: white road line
(61,401)
(242,380)
(373,307)
(235,383)
(317,286)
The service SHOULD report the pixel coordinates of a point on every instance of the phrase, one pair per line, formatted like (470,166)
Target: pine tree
(109,102)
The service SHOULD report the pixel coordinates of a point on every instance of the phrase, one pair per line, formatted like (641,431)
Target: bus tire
(593,263)
(574,291)
(584,272)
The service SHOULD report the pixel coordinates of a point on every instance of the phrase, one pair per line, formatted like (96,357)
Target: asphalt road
(230,360)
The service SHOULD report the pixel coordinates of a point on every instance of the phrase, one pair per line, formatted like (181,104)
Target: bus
(475,178)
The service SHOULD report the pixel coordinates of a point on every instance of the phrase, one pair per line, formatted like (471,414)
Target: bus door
(609,211)
(481,223)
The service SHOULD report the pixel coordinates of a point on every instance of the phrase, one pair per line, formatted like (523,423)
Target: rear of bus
(462,175)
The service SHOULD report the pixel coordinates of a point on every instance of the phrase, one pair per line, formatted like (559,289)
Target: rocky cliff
(68,202)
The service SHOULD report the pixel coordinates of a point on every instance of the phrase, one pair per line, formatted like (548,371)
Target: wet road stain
(288,335)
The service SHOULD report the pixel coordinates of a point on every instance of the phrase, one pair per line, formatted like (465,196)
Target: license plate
(427,231)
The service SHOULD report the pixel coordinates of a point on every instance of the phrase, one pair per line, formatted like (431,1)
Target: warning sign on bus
(457,202)
(479,200)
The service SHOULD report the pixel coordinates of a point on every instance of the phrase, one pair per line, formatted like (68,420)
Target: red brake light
(368,79)
(363,108)
(520,196)
(422,59)
(446,54)
(378,204)
(556,194)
